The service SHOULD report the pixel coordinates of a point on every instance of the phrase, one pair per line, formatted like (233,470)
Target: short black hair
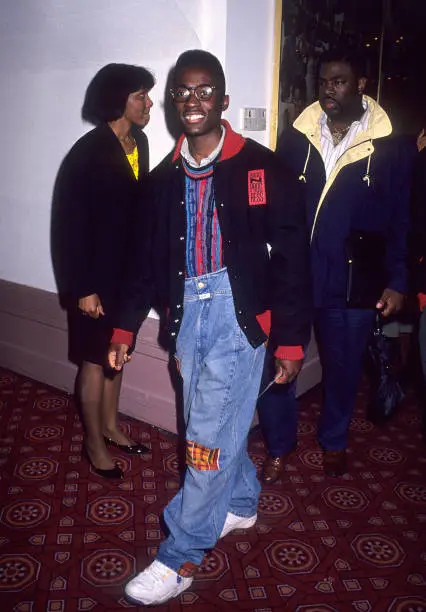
(348,55)
(107,93)
(197,58)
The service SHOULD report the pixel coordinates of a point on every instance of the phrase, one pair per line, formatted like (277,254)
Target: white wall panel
(50,50)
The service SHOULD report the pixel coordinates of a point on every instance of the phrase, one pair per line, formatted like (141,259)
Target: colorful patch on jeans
(201,457)
(187,569)
(256,188)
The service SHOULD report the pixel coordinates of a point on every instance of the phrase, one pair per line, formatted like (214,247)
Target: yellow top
(133,158)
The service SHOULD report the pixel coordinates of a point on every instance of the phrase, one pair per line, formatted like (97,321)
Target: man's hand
(421,141)
(286,370)
(390,303)
(117,355)
(91,305)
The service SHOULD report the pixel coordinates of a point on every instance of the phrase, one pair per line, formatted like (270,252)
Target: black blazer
(98,211)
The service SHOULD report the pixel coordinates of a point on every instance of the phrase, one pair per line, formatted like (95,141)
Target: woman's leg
(90,386)
(109,412)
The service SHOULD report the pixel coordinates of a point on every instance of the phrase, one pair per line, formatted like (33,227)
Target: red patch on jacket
(256,187)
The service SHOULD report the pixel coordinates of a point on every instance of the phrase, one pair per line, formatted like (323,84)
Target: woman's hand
(117,355)
(91,306)
(421,140)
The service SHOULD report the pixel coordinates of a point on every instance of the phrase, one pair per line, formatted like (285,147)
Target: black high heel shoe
(115,473)
(129,449)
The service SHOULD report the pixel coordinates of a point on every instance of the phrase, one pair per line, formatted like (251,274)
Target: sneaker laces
(158,572)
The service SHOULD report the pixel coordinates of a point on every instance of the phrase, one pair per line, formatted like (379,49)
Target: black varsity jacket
(264,240)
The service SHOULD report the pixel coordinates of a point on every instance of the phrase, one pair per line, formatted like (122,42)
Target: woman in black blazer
(98,207)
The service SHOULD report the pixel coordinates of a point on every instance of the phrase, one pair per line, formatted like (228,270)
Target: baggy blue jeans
(221,375)
(342,336)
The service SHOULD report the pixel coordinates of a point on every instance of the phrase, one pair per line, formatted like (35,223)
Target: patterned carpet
(69,540)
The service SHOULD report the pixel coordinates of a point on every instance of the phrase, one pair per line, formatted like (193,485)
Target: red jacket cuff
(264,320)
(122,337)
(293,353)
(422,300)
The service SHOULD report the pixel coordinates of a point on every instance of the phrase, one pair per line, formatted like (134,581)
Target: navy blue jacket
(369,191)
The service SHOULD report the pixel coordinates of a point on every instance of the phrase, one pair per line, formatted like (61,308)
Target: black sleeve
(287,145)
(146,279)
(136,292)
(71,229)
(417,235)
(397,231)
(291,297)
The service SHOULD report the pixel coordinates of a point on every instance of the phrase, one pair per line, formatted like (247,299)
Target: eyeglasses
(201,92)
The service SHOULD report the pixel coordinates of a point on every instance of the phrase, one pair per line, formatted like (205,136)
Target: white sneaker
(237,522)
(156,584)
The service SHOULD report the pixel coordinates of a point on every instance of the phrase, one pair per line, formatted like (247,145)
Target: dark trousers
(342,335)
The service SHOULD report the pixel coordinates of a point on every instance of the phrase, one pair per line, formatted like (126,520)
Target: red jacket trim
(294,353)
(422,300)
(121,336)
(232,144)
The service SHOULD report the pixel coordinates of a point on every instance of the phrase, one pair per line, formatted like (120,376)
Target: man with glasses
(220,200)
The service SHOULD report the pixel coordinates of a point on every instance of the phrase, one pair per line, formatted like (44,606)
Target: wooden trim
(276,62)
(34,342)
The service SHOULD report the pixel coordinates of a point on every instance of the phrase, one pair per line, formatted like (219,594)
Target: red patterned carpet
(69,540)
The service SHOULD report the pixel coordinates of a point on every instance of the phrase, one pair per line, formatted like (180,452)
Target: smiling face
(340,91)
(138,107)
(199,117)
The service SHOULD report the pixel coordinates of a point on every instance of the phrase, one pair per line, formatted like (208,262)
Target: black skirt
(89,338)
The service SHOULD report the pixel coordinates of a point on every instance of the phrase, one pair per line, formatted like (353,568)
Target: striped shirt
(203,235)
(330,153)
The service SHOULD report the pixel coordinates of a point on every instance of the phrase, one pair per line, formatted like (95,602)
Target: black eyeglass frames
(201,92)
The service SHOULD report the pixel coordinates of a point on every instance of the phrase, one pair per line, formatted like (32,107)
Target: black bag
(366,268)
(385,391)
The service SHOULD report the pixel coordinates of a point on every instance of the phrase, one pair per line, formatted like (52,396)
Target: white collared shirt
(330,153)
(184,151)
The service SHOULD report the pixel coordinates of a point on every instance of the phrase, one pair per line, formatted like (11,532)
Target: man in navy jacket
(231,263)
(355,177)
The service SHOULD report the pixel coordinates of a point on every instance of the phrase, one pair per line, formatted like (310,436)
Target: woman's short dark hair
(107,94)
(197,58)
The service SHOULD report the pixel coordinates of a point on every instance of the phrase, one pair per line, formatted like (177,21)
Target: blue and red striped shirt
(203,235)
